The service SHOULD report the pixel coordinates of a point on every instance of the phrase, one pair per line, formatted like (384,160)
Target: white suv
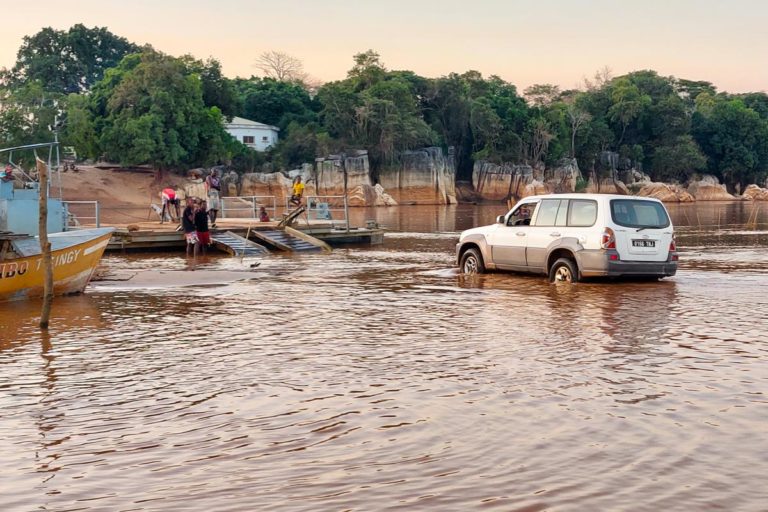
(571,236)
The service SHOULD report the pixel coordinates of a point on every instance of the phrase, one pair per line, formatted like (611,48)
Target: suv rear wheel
(564,271)
(472,262)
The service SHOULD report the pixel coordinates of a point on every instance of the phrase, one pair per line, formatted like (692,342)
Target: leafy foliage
(150,109)
(140,106)
(71,61)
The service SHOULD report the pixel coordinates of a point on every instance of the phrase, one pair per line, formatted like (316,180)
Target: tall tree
(281,66)
(27,113)
(735,139)
(150,109)
(69,61)
(577,116)
(542,95)
(271,101)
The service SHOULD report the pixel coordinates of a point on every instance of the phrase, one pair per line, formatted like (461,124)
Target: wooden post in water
(45,245)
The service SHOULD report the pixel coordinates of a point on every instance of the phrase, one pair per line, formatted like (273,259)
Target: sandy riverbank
(124,196)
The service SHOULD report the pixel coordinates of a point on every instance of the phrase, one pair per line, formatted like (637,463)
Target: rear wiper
(642,228)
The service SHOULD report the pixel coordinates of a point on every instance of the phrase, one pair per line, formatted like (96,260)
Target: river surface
(377,378)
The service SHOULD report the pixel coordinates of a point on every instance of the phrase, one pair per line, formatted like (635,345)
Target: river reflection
(381,379)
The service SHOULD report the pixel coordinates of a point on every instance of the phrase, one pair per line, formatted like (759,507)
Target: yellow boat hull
(73,267)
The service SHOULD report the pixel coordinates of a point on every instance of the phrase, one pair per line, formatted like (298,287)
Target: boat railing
(82,214)
(327,208)
(247,206)
(8,156)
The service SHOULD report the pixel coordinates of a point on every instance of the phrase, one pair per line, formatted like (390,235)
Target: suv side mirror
(500,219)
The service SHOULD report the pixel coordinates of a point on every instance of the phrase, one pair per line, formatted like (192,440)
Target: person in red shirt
(169,199)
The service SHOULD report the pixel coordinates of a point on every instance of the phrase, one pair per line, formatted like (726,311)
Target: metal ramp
(236,245)
(291,216)
(290,240)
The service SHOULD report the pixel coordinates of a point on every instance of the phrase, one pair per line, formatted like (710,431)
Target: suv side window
(546,215)
(583,213)
(522,215)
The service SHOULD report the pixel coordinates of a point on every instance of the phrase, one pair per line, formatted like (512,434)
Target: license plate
(643,243)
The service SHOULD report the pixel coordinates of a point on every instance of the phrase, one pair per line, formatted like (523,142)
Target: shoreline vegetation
(397,137)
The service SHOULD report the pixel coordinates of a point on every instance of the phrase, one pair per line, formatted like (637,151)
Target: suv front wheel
(563,271)
(472,262)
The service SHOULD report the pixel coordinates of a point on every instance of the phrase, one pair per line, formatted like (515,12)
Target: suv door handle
(520,233)
(554,234)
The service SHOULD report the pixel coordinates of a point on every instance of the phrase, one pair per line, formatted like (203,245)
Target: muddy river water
(377,378)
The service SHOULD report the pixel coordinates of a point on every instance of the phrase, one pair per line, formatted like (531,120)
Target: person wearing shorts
(201,226)
(213,188)
(169,199)
(188,224)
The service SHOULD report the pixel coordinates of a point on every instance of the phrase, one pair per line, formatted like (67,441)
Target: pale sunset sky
(522,41)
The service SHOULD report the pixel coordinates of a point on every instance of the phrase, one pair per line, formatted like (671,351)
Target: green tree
(69,61)
(735,140)
(368,70)
(27,113)
(678,159)
(150,109)
(376,109)
(275,102)
(627,104)
(218,91)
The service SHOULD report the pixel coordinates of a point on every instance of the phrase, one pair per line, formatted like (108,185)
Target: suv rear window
(636,213)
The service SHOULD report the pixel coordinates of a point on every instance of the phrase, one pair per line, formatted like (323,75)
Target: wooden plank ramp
(290,240)
(236,245)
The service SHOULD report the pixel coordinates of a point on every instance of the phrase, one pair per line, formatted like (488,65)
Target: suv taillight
(609,239)
(672,244)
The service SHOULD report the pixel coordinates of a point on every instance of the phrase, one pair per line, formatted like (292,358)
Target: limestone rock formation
(230,182)
(666,192)
(564,176)
(266,184)
(493,182)
(367,195)
(755,193)
(329,173)
(194,187)
(382,198)
(606,186)
(535,188)
(708,188)
(423,176)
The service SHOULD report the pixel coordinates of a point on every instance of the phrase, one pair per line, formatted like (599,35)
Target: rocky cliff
(755,193)
(424,176)
(666,192)
(494,182)
(708,188)
(606,186)
(427,176)
(501,182)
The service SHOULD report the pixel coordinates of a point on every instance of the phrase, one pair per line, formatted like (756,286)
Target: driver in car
(523,216)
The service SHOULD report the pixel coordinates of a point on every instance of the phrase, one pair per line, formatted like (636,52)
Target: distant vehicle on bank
(572,236)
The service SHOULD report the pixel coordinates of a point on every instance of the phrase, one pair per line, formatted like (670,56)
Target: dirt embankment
(124,196)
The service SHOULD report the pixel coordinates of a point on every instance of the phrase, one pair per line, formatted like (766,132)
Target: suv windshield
(636,213)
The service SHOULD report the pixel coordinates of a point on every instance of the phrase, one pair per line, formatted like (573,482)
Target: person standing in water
(201,226)
(188,223)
